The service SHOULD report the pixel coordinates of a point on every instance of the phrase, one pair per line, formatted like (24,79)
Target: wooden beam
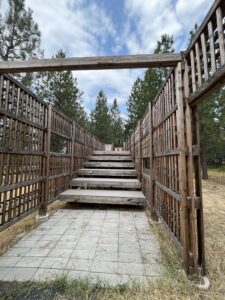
(91,63)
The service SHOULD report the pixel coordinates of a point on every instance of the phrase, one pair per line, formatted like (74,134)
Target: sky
(112,27)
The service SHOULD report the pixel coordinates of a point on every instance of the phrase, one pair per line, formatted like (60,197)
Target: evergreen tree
(117,125)
(101,120)
(19,35)
(164,45)
(61,90)
(144,91)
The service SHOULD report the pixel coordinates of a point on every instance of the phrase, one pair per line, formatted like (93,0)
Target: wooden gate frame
(197,71)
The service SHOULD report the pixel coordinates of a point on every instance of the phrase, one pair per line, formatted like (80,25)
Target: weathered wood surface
(91,63)
(104,197)
(107,172)
(115,153)
(106,183)
(109,158)
(112,165)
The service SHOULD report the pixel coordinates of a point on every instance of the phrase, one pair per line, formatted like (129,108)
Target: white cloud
(84,28)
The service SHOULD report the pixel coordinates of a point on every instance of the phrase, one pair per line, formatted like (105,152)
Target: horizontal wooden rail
(91,63)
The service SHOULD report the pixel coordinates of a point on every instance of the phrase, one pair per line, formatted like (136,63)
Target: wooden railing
(205,57)
(32,173)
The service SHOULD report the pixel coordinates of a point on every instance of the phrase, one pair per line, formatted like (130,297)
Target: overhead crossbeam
(91,63)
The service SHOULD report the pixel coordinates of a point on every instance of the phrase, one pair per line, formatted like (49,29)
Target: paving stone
(104,267)
(51,237)
(60,252)
(83,254)
(112,246)
(130,257)
(7,261)
(24,244)
(131,269)
(77,264)
(31,262)
(54,263)
(65,245)
(107,247)
(106,255)
(16,251)
(20,274)
(4,271)
(33,237)
(38,252)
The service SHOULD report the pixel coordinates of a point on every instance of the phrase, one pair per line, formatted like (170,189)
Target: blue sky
(113,27)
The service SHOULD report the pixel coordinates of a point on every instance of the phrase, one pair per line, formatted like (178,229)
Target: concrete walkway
(114,246)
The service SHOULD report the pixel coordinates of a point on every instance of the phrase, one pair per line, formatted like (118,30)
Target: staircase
(108,177)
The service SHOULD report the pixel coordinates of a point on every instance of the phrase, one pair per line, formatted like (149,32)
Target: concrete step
(111,165)
(104,197)
(109,158)
(107,172)
(121,153)
(106,183)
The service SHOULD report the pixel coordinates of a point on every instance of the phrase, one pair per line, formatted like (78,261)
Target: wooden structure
(167,140)
(107,182)
(31,175)
(165,145)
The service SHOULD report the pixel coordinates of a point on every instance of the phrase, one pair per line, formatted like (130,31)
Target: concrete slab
(102,245)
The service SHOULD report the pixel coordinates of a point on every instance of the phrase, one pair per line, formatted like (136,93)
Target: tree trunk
(203,162)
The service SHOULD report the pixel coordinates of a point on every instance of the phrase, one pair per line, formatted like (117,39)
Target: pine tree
(101,121)
(117,125)
(19,35)
(144,91)
(164,45)
(61,90)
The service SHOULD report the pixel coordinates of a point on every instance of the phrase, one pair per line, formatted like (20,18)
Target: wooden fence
(166,144)
(40,151)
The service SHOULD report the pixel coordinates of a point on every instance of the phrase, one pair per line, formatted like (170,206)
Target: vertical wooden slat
(219,19)
(204,55)
(199,71)
(212,48)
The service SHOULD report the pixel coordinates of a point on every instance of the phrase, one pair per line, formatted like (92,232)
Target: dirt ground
(174,285)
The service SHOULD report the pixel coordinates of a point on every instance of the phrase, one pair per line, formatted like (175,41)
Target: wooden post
(72,150)
(190,183)
(44,206)
(152,179)
(198,193)
(182,167)
(140,152)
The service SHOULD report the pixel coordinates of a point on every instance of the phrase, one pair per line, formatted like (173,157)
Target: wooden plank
(106,183)
(109,158)
(108,153)
(212,48)
(91,63)
(199,70)
(107,172)
(220,26)
(104,197)
(113,165)
(205,58)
